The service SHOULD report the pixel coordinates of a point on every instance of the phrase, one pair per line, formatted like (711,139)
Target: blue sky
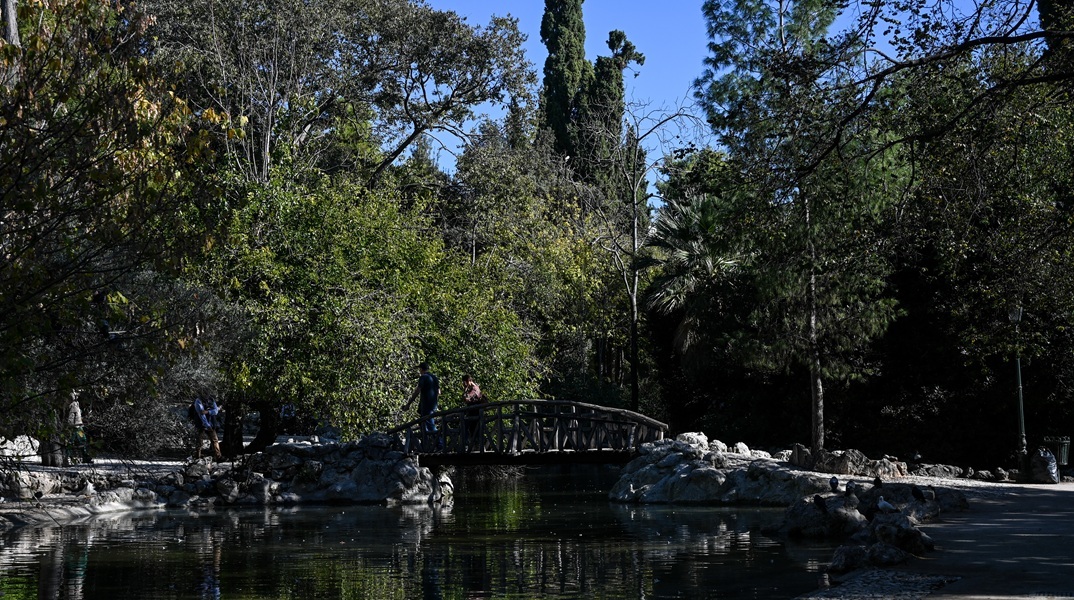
(671,35)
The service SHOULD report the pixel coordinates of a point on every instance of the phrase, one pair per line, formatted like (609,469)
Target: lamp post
(1015,314)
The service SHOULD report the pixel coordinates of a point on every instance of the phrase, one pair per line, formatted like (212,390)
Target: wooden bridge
(529,432)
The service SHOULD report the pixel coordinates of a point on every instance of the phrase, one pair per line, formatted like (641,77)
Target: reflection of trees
(711,530)
(511,543)
(54,558)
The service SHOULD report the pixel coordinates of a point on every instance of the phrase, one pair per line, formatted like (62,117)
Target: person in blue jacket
(206,411)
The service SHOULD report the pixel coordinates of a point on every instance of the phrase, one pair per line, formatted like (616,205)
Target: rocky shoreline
(687,470)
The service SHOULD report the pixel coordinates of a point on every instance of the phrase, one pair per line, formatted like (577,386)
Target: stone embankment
(370,471)
(854,499)
(374,470)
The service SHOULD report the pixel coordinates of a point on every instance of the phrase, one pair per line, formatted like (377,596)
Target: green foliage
(760,54)
(93,175)
(818,265)
(698,249)
(281,77)
(599,122)
(885,210)
(517,219)
(345,293)
(583,107)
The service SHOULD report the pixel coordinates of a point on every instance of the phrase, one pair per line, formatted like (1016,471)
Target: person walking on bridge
(428,388)
(473,397)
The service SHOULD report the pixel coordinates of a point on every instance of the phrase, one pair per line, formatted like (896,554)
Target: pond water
(541,536)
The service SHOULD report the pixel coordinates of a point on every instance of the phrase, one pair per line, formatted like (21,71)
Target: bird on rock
(850,501)
(917,493)
(819,501)
(885,506)
(878,483)
(851,488)
(834,483)
(88,489)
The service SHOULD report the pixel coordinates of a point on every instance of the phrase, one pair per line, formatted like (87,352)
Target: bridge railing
(530,426)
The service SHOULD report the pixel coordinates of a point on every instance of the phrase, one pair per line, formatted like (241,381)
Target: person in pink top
(472,396)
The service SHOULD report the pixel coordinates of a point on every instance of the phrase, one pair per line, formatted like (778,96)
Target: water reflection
(499,540)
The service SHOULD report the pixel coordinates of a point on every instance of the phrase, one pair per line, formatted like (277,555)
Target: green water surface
(502,538)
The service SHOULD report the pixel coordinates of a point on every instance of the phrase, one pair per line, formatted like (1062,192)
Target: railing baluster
(530,427)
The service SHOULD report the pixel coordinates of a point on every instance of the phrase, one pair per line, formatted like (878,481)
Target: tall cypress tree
(566,71)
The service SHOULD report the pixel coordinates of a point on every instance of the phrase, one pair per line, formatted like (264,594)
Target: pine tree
(819,266)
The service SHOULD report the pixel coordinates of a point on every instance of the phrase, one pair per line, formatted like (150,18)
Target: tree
(93,185)
(765,94)
(280,76)
(623,215)
(515,212)
(566,71)
(584,106)
(696,247)
(601,108)
(9,15)
(344,290)
(984,225)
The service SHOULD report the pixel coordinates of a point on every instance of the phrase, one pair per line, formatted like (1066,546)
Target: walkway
(1015,541)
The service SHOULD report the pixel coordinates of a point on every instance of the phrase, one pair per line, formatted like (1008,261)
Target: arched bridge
(529,432)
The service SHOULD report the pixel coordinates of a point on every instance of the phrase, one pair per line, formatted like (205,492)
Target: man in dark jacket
(428,388)
(206,411)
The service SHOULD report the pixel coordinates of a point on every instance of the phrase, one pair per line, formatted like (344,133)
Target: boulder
(839,519)
(885,555)
(802,457)
(848,558)
(947,471)
(694,439)
(228,489)
(854,462)
(900,531)
(848,462)
(687,471)
(371,470)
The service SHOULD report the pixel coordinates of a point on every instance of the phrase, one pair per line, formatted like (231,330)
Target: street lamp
(1015,314)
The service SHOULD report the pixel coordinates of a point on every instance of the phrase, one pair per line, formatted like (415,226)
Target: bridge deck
(529,432)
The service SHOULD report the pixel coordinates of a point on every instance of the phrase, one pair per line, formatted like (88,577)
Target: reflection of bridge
(529,432)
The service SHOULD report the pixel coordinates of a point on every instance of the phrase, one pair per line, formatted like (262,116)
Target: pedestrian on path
(206,411)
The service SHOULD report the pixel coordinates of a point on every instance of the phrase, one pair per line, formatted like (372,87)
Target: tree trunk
(816,381)
(817,394)
(51,453)
(232,446)
(632,290)
(11,25)
(635,386)
(11,36)
(270,426)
